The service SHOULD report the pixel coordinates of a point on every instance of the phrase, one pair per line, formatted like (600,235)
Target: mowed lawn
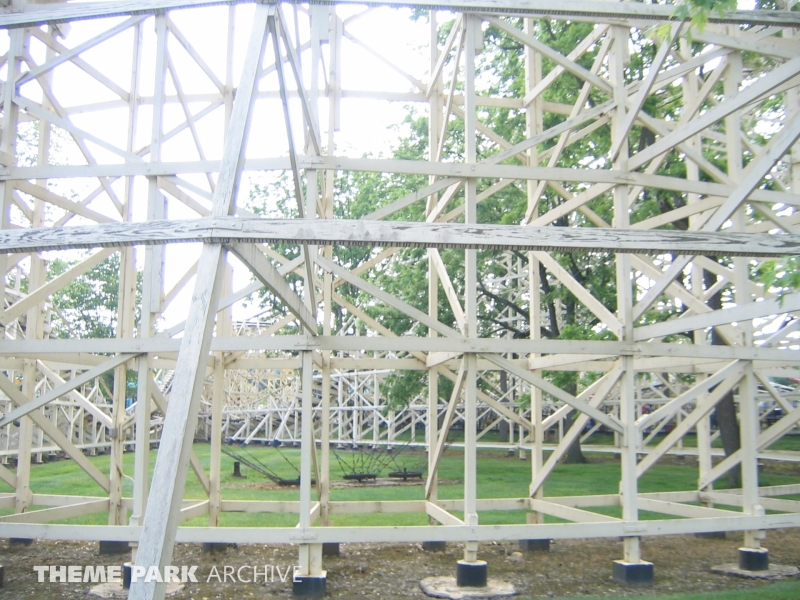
(500,475)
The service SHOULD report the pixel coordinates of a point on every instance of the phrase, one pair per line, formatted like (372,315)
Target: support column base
(434,546)
(753,559)
(534,545)
(127,572)
(471,574)
(2,573)
(309,586)
(639,574)
(20,541)
(330,549)
(113,547)
(214,547)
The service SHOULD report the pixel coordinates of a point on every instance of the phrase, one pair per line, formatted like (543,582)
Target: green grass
(499,476)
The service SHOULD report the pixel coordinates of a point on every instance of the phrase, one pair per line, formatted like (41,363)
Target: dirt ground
(572,568)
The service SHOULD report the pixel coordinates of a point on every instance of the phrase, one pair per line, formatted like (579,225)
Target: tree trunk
(725,410)
(574,454)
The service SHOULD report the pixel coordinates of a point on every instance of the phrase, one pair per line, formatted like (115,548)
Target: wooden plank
(574,68)
(569,513)
(745,97)
(669,410)
(399,234)
(704,406)
(679,509)
(590,9)
(11,479)
(75,51)
(162,404)
(55,435)
(57,513)
(193,511)
(586,408)
(164,346)
(169,478)
(441,515)
(743,312)
(485,533)
(266,272)
(34,297)
(78,208)
(88,406)
(34,404)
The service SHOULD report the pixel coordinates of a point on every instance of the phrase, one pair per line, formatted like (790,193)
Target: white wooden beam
(34,404)
(226,229)
(169,478)
(266,272)
(34,15)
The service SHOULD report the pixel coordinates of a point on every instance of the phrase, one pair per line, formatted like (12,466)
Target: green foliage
(697,12)
(781,275)
(88,305)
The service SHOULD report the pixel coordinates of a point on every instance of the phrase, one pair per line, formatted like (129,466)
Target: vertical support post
(309,582)
(470,571)
(169,478)
(8,144)
(434,127)
(703,427)
(223,325)
(534,124)
(126,301)
(152,282)
(631,569)
(751,555)
(215,441)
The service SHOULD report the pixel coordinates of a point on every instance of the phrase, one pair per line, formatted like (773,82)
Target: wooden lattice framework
(157,162)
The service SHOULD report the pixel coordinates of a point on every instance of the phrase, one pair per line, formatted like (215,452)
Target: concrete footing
(434,546)
(115,591)
(445,587)
(472,574)
(330,549)
(113,547)
(534,545)
(753,559)
(214,547)
(308,586)
(638,574)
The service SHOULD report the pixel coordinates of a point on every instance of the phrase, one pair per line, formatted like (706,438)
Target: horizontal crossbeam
(226,230)
(37,15)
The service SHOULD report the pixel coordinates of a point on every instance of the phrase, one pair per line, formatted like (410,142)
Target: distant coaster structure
(152,160)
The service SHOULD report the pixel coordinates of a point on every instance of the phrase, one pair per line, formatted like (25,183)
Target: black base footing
(113,547)
(1,575)
(534,545)
(753,559)
(307,586)
(214,547)
(711,535)
(126,575)
(471,574)
(330,549)
(20,541)
(640,573)
(434,546)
